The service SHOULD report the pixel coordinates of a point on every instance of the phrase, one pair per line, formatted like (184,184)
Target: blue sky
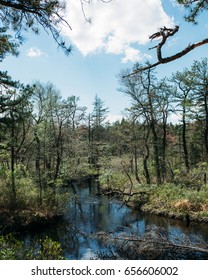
(116,39)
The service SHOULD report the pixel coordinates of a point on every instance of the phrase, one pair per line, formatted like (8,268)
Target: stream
(90,216)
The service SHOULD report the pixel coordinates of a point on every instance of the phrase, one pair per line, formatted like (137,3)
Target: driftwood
(113,192)
(165,244)
(152,245)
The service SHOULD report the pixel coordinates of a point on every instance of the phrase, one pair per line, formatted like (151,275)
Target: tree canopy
(194,7)
(33,15)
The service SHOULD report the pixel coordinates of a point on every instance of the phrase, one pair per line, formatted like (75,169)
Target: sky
(116,37)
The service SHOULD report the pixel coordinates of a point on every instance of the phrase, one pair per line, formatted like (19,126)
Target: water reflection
(89,214)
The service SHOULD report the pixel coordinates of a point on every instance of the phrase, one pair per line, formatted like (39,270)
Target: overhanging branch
(165,33)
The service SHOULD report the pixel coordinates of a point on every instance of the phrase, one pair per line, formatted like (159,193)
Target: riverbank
(30,212)
(26,220)
(92,216)
(166,200)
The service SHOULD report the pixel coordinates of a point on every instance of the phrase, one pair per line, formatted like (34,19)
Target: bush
(195,178)
(50,250)
(13,249)
(10,248)
(113,180)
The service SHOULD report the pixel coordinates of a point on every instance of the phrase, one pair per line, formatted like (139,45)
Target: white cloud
(35,52)
(116,26)
(113,118)
(134,55)
(174,118)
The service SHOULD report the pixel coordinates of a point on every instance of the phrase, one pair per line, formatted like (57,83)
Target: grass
(172,200)
(186,195)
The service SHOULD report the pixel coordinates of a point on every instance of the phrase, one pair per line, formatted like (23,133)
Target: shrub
(13,249)
(115,180)
(196,178)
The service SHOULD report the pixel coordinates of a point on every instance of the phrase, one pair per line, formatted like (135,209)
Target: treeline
(46,141)
(149,132)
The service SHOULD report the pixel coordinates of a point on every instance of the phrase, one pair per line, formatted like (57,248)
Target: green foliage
(170,199)
(10,248)
(45,141)
(50,250)
(162,196)
(26,189)
(13,249)
(21,16)
(54,199)
(194,8)
(117,180)
(6,44)
(79,168)
(194,179)
(99,116)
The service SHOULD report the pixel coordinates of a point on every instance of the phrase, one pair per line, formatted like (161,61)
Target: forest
(146,161)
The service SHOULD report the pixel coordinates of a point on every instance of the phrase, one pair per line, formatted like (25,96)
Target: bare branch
(165,33)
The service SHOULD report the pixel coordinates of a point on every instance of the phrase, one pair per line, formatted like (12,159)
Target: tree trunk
(164,144)
(37,167)
(59,149)
(156,154)
(145,160)
(185,149)
(136,165)
(153,129)
(206,122)
(13,185)
(13,201)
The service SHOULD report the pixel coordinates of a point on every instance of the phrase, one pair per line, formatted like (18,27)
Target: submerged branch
(154,244)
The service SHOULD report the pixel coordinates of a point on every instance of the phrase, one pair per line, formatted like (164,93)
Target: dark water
(89,215)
